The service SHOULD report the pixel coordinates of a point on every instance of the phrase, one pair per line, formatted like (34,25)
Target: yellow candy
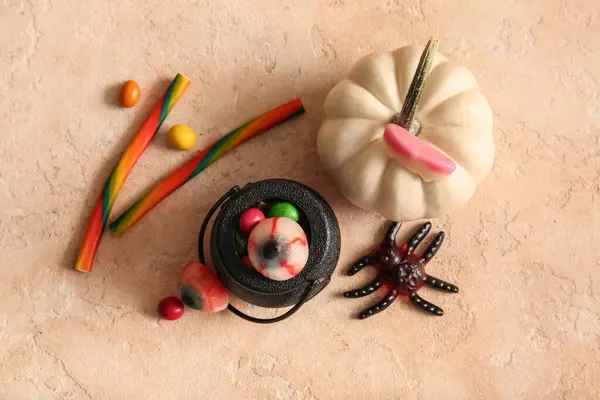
(181,137)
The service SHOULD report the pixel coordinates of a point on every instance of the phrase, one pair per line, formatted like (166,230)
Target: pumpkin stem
(406,117)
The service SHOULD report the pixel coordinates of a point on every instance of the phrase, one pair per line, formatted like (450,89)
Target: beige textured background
(524,252)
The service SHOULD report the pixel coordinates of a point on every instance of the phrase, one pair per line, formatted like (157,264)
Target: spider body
(401,271)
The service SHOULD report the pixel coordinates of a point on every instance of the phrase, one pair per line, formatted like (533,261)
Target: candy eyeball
(201,288)
(278,248)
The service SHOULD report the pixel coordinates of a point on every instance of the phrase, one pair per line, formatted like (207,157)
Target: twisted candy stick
(189,170)
(115,181)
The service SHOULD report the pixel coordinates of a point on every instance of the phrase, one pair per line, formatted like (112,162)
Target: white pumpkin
(452,115)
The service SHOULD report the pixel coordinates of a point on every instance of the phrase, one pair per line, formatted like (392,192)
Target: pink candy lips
(416,155)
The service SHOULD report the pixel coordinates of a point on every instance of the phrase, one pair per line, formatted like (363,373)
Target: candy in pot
(322,233)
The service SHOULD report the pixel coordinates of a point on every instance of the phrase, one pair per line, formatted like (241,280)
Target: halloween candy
(284,209)
(201,288)
(170,308)
(130,94)
(416,155)
(118,175)
(192,168)
(401,271)
(181,137)
(249,219)
(278,248)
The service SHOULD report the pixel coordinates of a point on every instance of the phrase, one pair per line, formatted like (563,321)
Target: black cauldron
(319,223)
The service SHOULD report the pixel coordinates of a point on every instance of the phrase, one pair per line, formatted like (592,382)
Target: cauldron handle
(305,296)
(309,289)
(212,210)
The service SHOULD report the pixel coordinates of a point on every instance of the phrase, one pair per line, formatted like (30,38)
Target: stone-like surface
(524,252)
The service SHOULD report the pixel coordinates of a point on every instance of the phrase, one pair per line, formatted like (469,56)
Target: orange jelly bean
(130,94)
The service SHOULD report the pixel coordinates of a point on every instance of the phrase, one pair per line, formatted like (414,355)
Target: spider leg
(433,248)
(390,235)
(360,264)
(425,305)
(439,284)
(370,288)
(418,237)
(379,307)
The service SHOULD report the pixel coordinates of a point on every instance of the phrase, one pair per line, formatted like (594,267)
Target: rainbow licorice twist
(124,166)
(192,168)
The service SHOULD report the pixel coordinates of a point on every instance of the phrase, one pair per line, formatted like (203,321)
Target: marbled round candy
(284,209)
(249,219)
(201,288)
(278,248)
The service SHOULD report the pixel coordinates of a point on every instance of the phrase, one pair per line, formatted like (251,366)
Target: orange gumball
(130,94)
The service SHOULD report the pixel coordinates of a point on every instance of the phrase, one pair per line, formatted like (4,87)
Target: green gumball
(284,209)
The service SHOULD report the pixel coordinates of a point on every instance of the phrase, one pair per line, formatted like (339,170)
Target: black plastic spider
(401,271)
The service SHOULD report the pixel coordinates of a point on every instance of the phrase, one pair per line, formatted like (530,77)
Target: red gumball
(170,308)
(249,219)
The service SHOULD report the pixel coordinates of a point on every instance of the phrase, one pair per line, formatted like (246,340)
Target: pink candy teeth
(201,288)
(416,155)
(278,248)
